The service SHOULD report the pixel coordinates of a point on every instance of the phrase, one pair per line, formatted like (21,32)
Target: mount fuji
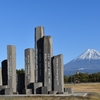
(89,61)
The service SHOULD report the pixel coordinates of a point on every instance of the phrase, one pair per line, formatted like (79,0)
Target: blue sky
(73,24)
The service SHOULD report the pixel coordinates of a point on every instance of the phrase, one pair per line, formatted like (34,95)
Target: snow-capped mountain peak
(89,61)
(89,54)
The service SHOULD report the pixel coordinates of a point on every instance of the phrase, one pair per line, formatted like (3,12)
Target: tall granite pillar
(11,62)
(40,60)
(0,77)
(58,73)
(29,67)
(39,33)
(4,72)
(47,54)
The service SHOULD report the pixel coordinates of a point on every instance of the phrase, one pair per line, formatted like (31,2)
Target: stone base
(30,85)
(69,90)
(65,92)
(52,92)
(3,87)
(6,91)
(27,91)
(60,92)
(37,88)
(44,90)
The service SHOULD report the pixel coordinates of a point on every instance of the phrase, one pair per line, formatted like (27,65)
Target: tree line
(82,78)
(76,78)
(20,71)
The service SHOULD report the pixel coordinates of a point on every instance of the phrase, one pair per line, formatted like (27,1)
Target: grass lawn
(85,87)
(94,88)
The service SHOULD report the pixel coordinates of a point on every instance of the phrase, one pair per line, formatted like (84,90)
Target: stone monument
(39,33)
(11,62)
(4,72)
(58,73)
(47,54)
(43,73)
(29,67)
(40,60)
(0,77)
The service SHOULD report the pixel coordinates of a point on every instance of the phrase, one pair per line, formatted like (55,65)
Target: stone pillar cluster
(43,71)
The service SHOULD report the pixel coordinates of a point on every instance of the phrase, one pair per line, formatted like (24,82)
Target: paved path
(74,94)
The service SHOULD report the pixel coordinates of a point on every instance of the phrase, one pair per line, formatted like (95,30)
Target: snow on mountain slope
(89,61)
(89,54)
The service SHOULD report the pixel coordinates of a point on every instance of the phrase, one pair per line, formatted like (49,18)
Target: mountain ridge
(88,61)
(89,54)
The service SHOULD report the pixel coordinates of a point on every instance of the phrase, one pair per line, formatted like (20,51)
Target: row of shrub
(83,77)
(77,78)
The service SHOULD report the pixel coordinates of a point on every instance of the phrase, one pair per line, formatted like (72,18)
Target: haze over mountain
(89,61)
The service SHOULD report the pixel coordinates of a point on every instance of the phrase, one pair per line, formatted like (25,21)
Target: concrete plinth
(52,92)
(3,87)
(44,90)
(8,91)
(37,88)
(68,90)
(27,91)
(60,92)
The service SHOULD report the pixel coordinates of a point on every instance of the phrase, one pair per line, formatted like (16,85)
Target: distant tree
(98,77)
(65,79)
(85,77)
(20,71)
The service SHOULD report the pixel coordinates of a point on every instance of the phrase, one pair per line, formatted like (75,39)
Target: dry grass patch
(51,98)
(86,87)
(90,87)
